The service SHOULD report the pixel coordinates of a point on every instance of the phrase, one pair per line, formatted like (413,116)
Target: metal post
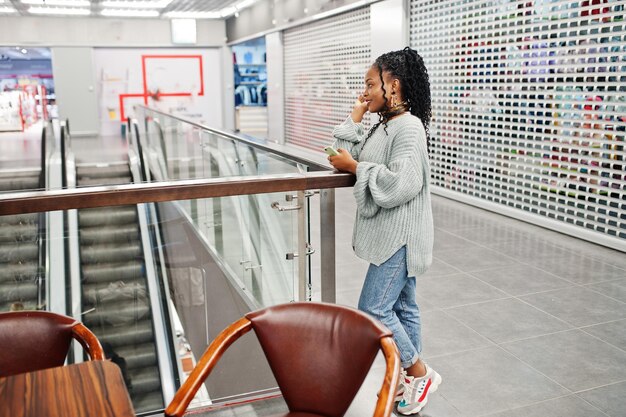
(302,258)
(327,244)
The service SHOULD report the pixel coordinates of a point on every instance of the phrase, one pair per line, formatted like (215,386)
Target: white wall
(77,31)
(389,29)
(119,71)
(75,88)
(275,87)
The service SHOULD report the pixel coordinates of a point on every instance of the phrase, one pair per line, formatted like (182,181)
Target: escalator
(115,297)
(22,237)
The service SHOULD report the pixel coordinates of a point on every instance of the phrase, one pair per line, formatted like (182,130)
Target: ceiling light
(67,3)
(236,14)
(245,3)
(129,13)
(7,10)
(121,4)
(194,15)
(59,11)
(227,11)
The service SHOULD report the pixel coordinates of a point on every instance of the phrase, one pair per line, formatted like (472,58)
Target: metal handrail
(104,196)
(248,140)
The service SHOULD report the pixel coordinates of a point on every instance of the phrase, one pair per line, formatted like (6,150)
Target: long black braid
(407,66)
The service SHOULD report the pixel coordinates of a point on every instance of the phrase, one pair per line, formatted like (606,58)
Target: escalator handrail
(142,165)
(42,173)
(157,123)
(248,140)
(104,196)
(63,157)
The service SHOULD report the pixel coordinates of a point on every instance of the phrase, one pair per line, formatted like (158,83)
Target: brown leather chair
(319,353)
(34,340)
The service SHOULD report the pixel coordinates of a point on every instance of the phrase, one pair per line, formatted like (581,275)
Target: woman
(394,226)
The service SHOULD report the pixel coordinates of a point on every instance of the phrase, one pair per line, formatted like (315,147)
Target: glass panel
(22,262)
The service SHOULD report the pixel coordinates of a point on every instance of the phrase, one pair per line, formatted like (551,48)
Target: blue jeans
(388,295)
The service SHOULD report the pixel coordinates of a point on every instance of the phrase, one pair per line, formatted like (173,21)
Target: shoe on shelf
(417,390)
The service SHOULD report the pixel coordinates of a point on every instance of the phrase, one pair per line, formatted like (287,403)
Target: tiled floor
(518,320)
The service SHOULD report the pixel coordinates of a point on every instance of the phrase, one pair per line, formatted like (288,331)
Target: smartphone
(331,151)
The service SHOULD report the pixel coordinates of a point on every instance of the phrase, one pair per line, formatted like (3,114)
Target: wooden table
(88,389)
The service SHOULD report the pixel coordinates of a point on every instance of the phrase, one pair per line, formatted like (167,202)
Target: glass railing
(220,229)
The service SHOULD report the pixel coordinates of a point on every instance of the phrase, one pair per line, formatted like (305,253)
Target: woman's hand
(359,109)
(344,161)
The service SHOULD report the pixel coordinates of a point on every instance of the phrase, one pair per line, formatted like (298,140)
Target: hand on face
(343,161)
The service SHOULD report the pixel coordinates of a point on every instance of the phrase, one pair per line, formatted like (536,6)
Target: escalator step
(99,293)
(138,356)
(107,216)
(93,235)
(148,402)
(19,251)
(24,305)
(86,182)
(133,334)
(107,171)
(20,183)
(22,291)
(109,253)
(18,272)
(145,380)
(16,219)
(117,313)
(26,232)
(112,271)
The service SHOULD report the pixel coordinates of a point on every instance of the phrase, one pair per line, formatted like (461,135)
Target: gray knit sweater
(392,192)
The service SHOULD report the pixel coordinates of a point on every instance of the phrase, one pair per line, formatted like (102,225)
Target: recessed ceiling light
(227,11)
(65,11)
(67,3)
(245,3)
(122,4)
(194,15)
(129,13)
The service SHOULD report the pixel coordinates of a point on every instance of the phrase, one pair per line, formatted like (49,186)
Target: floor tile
(578,306)
(488,380)
(508,319)
(474,258)
(611,398)
(529,249)
(521,279)
(573,359)
(443,335)
(579,269)
(455,290)
(495,234)
(613,332)
(447,241)
(439,268)
(614,289)
(570,406)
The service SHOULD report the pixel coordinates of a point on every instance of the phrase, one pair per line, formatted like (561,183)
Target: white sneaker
(400,389)
(417,390)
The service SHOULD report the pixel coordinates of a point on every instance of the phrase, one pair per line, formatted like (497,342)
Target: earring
(393,99)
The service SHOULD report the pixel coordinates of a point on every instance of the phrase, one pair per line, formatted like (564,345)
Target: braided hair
(408,67)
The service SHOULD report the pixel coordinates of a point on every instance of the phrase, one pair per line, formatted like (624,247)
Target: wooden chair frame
(180,402)
(88,341)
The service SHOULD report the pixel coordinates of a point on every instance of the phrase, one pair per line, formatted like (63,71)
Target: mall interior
(162,175)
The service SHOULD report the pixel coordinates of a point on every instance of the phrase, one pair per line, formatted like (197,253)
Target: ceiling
(194,9)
